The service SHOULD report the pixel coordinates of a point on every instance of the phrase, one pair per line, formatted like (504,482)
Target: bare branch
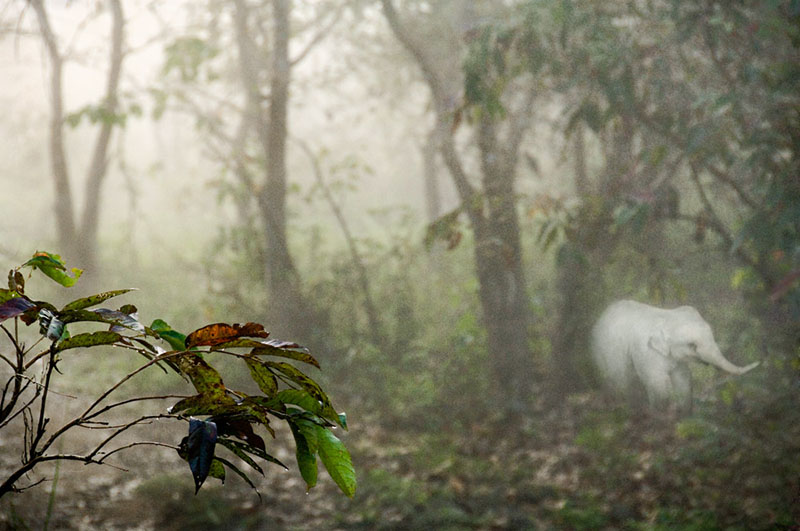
(140,443)
(129,401)
(123,429)
(319,36)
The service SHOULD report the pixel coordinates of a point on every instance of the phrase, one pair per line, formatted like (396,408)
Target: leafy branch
(229,417)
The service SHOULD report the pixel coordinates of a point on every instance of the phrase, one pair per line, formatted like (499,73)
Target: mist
(433,201)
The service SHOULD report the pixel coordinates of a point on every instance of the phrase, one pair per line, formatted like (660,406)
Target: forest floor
(578,466)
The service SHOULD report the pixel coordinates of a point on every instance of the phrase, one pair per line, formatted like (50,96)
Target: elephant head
(684,335)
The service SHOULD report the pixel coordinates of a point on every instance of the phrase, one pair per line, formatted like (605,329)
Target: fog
(438,200)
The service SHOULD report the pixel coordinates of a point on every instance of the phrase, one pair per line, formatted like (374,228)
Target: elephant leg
(653,370)
(681,378)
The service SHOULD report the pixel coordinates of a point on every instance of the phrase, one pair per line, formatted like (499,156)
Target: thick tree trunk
(493,217)
(582,260)
(498,259)
(282,277)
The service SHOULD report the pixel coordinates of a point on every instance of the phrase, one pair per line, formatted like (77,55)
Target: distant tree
(78,237)
(241,101)
(695,109)
(482,92)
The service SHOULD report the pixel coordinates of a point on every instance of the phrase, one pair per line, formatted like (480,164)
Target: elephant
(637,346)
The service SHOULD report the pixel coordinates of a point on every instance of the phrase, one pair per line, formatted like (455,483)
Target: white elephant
(636,345)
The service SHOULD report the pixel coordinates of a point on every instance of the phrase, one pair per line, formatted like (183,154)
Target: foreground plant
(216,415)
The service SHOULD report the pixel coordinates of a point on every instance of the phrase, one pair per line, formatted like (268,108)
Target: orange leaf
(215,334)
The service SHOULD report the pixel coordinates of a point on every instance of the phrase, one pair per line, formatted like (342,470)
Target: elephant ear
(658,343)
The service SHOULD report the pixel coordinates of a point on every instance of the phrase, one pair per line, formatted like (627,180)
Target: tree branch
(445,115)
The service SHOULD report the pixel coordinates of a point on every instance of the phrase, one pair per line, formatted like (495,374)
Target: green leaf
(216,470)
(238,472)
(93,300)
(205,404)
(52,266)
(175,339)
(299,397)
(239,450)
(92,339)
(306,460)
(253,407)
(6,294)
(262,376)
(284,349)
(204,377)
(297,376)
(337,461)
(101,315)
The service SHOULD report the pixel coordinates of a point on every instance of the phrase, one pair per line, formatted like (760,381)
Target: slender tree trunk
(430,150)
(288,310)
(64,212)
(99,165)
(79,243)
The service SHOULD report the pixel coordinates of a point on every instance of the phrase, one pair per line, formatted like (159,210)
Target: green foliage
(230,415)
(187,55)
(101,114)
(52,266)
(587,514)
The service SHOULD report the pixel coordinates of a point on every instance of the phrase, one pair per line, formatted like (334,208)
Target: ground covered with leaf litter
(581,465)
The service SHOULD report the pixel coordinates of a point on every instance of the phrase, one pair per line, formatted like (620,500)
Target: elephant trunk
(718,360)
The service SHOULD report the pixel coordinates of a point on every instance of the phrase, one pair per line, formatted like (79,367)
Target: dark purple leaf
(198,449)
(14,307)
(240,429)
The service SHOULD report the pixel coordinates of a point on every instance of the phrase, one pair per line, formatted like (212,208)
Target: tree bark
(79,243)
(63,205)
(99,165)
(288,310)
(493,218)
(430,150)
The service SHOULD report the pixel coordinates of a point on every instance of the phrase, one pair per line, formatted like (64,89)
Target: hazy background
(466,184)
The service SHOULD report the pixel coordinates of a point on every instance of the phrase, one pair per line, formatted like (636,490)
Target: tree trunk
(498,259)
(63,205)
(79,244)
(493,217)
(287,309)
(430,150)
(582,260)
(99,165)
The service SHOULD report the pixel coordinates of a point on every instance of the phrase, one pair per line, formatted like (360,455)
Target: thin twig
(140,443)
(42,420)
(125,428)
(130,400)
(78,420)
